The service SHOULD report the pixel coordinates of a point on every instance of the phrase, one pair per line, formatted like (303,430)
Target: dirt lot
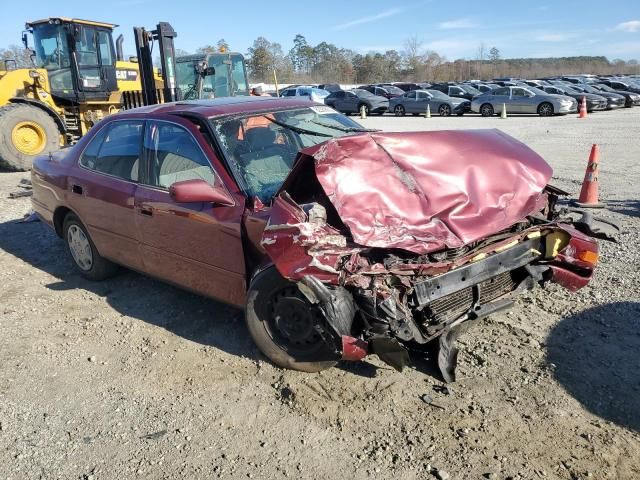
(132,378)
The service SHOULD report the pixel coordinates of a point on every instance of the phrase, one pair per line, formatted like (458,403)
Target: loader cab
(212,75)
(78,55)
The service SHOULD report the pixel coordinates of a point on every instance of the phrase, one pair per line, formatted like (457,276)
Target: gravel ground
(132,378)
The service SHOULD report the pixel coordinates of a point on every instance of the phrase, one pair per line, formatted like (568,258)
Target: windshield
(537,91)
(229,78)
(437,94)
(363,93)
(470,89)
(262,148)
(570,90)
(393,89)
(604,87)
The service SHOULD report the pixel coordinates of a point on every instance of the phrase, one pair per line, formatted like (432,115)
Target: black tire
(268,289)
(545,109)
(100,268)
(399,111)
(11,116)
(444,110)
(460,114)
(486,110)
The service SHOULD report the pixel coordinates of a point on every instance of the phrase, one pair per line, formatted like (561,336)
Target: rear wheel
(486,110)
(444,110)
(285,326)
(399,111)
(89,263)
(25,132)
(545,109)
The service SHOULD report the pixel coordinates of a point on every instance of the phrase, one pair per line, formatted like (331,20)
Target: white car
(315,94)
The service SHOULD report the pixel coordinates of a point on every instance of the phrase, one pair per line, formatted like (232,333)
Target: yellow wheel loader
(79,77)
(75,82)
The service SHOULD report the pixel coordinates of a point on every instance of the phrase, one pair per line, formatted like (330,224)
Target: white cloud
(368,19)
(450,48)
(457,23)
(555,37)
(630,26)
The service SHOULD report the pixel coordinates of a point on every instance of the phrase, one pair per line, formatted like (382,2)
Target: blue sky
(455,29)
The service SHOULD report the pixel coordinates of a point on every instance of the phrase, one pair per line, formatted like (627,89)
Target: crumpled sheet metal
(426,191)
(299,248)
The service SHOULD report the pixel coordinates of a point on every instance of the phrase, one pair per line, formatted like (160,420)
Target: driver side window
(174,156)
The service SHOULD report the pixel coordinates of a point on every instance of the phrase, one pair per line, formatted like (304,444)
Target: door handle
(76,189)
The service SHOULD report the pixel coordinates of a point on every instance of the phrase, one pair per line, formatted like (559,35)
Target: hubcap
(29,138)
(80,247)
(545,109)
(399,110)
(445,110)
(486,111)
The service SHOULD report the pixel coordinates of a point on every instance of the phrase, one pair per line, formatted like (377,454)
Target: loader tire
(25,132)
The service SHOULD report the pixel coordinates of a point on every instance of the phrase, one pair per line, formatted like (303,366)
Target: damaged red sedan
(337,241)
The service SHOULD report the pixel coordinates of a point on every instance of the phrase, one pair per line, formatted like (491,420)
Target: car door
(195,245)
(102,190)
(409,102)
(499,97)
(519,101)
(351,101)
(338,101)
(422,100)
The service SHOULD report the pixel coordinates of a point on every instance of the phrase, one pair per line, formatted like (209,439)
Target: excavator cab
(212,75)
(78,56)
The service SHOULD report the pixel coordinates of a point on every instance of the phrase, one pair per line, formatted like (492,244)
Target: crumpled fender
(299,248)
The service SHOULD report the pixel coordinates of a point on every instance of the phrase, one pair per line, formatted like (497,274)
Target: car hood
(425,191)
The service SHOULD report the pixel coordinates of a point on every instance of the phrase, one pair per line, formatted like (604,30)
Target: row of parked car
(545,97)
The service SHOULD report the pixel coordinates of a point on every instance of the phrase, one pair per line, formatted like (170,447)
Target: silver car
(522,100)
(416,102)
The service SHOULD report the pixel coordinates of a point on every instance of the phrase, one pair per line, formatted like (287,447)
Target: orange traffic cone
(583,108)
(589,192)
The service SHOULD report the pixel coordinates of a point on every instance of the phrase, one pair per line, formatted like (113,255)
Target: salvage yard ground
(132,378)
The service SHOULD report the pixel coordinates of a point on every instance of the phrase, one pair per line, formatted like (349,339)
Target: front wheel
(444,110)
(89,263)
(486,110)
(545,109)
(285,326)
(25,132)
(399,111)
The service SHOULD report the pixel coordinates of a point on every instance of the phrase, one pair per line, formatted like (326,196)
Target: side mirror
(195,191)
(25,40)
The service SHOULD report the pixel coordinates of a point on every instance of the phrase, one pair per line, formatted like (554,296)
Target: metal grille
(456,304)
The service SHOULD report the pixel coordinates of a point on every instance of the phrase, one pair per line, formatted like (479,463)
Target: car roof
(222,106)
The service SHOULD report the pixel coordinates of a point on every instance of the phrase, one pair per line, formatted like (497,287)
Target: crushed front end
(392,291)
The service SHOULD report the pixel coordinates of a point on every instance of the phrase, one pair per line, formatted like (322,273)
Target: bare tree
(413,56)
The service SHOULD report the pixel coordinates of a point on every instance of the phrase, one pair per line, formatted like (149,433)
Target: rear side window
(115,150)
(501,91)
(174,156)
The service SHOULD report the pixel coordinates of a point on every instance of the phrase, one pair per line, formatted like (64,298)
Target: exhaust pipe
(119,54)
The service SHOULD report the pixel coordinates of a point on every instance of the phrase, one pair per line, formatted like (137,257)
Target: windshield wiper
(293,128)
(344,129)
